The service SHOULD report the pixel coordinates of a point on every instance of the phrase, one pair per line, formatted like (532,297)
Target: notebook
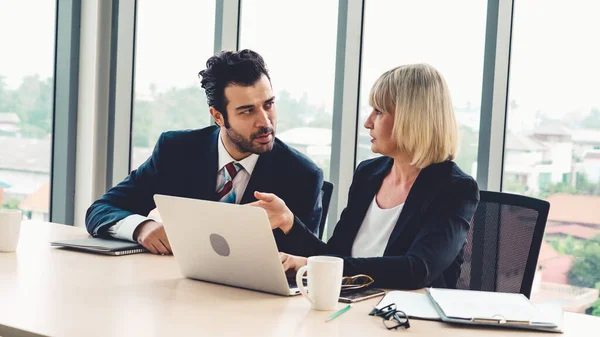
(101,246)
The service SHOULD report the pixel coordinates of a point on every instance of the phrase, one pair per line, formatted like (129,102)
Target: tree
(32,102)
(592,121)
(467,153)
(513,185)
(582,186)
(11,204)
(585,271)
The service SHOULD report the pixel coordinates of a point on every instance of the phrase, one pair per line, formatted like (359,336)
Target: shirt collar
(225,158)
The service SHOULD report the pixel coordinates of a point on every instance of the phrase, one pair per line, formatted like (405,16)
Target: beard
(246,145)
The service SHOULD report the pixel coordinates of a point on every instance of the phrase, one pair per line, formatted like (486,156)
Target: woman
(408,211)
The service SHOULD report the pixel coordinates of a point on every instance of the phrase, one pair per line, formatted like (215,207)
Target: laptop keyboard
(292,282)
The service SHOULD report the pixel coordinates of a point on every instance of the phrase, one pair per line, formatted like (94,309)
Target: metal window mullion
(494,95)
(64,124)
(345,106)
(93,104)
(227,25)
(121,95)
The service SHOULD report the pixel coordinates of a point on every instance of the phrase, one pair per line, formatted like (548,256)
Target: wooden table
(55,292)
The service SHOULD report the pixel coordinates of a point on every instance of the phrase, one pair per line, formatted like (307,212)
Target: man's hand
(152,236)
(292,262)
(279,214)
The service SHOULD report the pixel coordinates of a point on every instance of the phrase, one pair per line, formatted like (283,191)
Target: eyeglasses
(356,282)
(392,318)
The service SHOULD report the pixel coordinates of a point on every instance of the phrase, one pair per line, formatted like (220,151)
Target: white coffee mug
(324,281)
(10,228)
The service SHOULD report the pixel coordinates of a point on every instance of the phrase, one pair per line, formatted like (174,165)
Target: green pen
(341,311)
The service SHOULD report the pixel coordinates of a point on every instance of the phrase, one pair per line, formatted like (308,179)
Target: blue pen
(343,310)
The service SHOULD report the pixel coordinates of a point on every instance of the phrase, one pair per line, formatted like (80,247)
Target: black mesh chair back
(503,243)
(326,192)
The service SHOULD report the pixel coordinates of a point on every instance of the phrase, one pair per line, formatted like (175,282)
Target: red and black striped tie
(226,193)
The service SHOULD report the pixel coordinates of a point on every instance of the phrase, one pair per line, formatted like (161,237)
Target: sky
(555,54)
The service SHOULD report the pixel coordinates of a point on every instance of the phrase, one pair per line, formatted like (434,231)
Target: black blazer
(425,247)
(185,164)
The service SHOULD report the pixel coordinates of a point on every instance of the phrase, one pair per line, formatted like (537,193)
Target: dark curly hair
(244,68)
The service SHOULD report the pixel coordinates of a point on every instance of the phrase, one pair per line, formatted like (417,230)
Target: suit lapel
(205,182)
(261,178)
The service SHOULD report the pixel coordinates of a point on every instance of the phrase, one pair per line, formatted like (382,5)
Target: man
(227,162)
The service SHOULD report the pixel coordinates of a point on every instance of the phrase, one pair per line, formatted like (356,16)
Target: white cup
(10,228)
(324,281)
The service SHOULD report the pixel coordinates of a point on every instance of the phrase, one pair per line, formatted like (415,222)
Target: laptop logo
(219,244)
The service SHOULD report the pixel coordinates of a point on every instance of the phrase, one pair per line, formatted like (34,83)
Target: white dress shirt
(375,230)
(125,228)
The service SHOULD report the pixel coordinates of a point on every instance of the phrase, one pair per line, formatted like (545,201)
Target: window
(554,113)
(300,56)
(450,38)
(173,41)
(26,101)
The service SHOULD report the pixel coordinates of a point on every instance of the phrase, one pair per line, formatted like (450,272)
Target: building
(9,123)
(574,209)
(24,166)
(585,140)
(25,173)
(569,216)
(590,166)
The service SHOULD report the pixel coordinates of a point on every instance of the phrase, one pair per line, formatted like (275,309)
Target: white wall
(591,169)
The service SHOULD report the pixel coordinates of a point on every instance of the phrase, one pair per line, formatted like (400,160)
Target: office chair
(326,192)
(503,243)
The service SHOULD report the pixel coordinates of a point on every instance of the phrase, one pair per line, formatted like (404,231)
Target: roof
(572,208)
(25,154)
(586,136)
(556,270)
(306,136)
(592,155)
(547,252)
(553,130)
(520,142)
(577,231)
(38,201)
(33,155)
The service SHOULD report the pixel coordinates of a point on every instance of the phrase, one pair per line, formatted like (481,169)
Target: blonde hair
(424,122)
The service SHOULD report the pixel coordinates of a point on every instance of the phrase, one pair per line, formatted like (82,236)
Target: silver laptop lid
(223,243)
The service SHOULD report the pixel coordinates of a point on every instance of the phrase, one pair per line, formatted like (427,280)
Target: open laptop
(224,243)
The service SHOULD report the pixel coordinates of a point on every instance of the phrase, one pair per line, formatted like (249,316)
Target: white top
(125,228)
(375,230)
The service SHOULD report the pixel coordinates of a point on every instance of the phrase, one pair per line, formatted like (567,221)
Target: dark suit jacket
(425,247)
(185,164)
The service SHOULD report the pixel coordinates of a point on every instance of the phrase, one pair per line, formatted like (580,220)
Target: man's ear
(217,116)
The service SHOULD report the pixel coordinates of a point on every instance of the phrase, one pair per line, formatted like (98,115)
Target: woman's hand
(292,262)
(279,214)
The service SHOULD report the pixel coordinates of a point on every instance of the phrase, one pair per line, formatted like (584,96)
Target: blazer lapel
(362,200)
(420,196)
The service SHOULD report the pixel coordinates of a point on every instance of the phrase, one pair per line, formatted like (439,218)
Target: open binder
(489,308)
(484,308)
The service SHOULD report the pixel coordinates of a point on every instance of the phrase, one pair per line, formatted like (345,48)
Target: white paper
(415,305)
